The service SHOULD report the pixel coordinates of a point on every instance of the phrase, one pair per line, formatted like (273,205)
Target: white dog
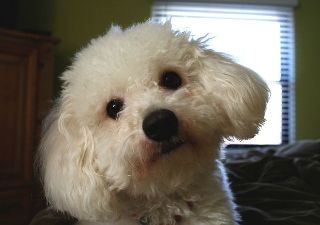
(135,137)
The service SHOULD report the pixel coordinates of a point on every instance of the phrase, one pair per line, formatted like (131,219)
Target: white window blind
(260,37)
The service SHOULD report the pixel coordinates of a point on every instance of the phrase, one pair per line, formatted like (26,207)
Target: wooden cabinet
(26,79)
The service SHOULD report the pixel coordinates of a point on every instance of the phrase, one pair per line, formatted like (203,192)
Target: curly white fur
(107,171)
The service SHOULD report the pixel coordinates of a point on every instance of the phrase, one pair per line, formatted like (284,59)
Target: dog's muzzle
(160,125)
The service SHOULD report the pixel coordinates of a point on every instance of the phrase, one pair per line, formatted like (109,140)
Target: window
(257,36)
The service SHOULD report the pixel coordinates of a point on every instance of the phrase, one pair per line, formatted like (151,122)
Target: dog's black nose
(160,125)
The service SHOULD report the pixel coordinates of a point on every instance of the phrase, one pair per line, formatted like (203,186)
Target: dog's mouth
(165,148)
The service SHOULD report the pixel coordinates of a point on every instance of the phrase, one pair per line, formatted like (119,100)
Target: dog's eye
(114,107)
(170,80)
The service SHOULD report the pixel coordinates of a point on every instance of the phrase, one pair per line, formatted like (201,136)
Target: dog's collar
(145,220)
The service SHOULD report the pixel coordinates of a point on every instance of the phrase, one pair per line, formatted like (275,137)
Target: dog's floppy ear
(68,169)
(239,95)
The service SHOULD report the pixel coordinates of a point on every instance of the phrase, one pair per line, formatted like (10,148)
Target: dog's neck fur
(184,202)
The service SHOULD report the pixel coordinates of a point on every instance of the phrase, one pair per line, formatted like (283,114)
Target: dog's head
(143,111)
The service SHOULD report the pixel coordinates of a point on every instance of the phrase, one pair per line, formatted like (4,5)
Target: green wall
(307,28)
(77,21)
